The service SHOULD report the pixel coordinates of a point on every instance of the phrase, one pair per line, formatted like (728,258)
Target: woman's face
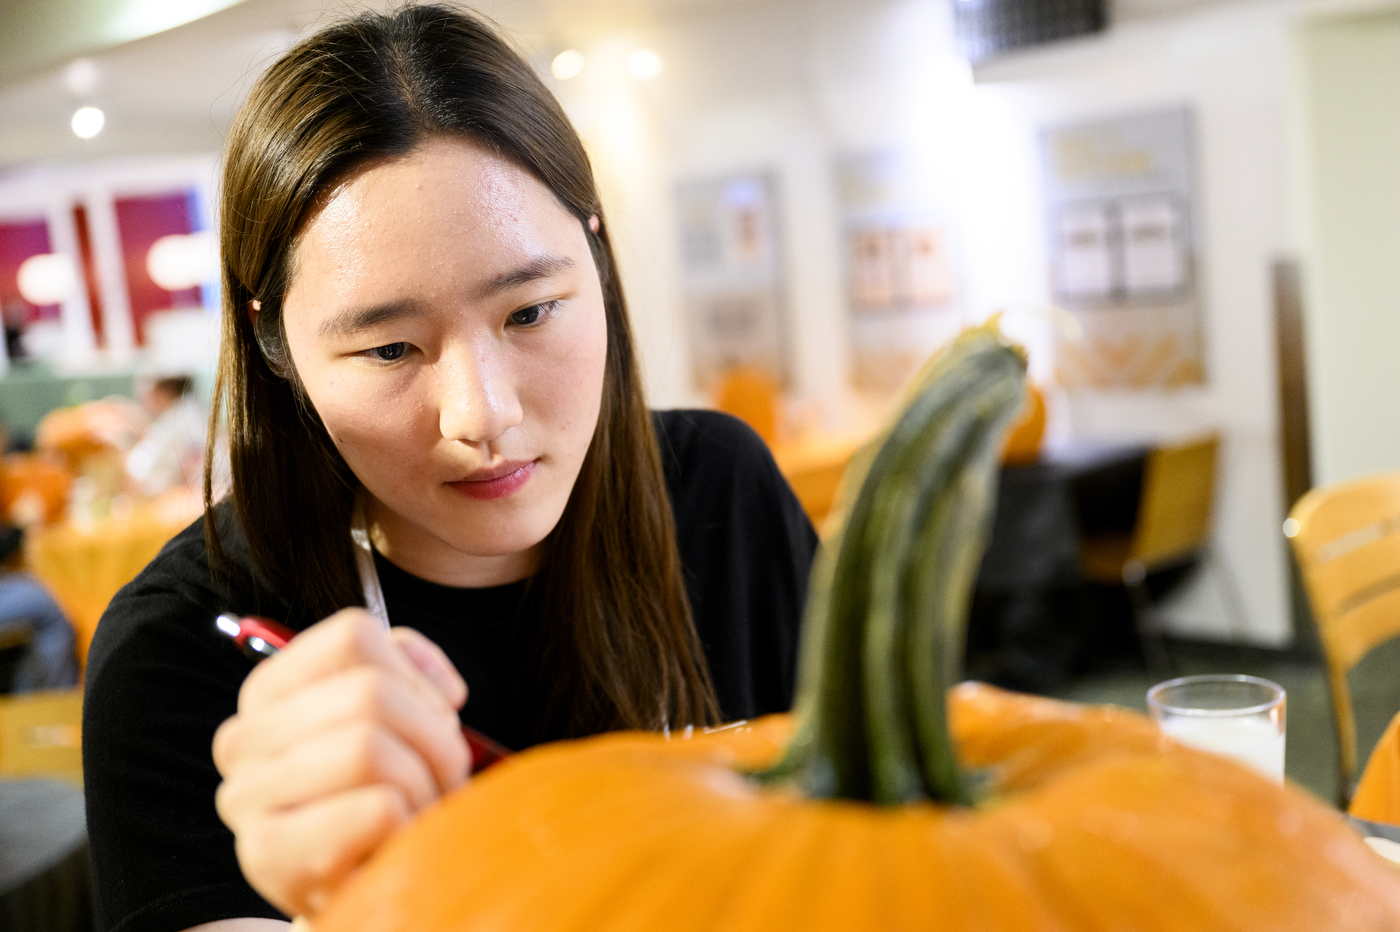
(446,319)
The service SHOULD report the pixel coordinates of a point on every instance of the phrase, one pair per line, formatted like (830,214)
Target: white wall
(787,85)
(1350,116)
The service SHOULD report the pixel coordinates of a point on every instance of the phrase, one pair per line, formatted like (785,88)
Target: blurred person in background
(171,452)
(30,618)
(15,316)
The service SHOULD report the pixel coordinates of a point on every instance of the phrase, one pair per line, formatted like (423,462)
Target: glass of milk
(1239,716)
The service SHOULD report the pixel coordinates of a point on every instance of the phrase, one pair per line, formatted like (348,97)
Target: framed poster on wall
(732,276)
(898,271)
(1119,208)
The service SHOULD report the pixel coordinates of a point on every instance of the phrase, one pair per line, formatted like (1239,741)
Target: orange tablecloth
(1378,794)
(84,567)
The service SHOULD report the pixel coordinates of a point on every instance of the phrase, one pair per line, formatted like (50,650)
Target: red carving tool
(260,638)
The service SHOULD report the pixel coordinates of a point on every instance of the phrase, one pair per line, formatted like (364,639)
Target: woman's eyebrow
(535,269)
(355,319)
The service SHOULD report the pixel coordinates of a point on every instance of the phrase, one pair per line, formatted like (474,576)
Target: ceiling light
(183,261)
(644,64)
(81,76)
(88,121)
(46,279)
(567,64)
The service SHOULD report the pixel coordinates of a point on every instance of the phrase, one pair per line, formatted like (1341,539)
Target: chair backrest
(40,735)
(1346,539)
(1174,510)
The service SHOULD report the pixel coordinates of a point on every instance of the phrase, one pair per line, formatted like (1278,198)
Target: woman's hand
(338,740)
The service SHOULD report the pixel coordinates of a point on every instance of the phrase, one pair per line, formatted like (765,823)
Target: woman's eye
(388,352)
(525,317)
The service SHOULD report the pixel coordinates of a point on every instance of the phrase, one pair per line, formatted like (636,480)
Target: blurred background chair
(1346,543)
(1377,796)
(1170,537)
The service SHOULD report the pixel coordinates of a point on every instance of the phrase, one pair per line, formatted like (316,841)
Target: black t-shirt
(160,678)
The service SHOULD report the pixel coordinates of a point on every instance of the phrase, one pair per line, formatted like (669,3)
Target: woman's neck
(416,551)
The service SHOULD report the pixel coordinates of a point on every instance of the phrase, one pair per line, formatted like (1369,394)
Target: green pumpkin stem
(888,599)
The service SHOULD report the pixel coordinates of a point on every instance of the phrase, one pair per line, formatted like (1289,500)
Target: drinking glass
(1242,717)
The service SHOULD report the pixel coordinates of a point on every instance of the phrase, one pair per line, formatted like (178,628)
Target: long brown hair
(619,649)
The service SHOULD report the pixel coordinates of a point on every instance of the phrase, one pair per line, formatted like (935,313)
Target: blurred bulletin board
(898,274)
(1119,205)
(732,276)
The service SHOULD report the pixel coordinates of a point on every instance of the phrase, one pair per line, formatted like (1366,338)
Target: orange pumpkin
(1023,442)
(751,395)
(866,810)
(33,474)
(91,431)
(1096,822)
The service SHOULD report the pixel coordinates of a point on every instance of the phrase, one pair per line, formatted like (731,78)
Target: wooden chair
(1346,539)
(1377,796)
(41,735)
(1172,531)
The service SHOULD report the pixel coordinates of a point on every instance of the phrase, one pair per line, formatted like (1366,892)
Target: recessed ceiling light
(567,64)
(88,122)
(644,64)
(81,76)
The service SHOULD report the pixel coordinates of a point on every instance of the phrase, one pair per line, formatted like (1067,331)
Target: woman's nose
(477,399)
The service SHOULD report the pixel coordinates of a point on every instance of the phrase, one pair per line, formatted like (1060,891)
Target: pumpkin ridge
(1109,831)
(763,898)
(629,855)
(991,888)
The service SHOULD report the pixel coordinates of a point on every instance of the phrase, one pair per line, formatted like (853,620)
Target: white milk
(1254,741)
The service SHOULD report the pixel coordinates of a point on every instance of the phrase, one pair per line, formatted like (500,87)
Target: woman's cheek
(374,423)
(573,388)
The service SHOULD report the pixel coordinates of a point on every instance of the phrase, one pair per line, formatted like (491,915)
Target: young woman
(436,423)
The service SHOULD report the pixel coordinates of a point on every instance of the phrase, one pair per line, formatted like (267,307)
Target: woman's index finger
(351,637)
(430,660)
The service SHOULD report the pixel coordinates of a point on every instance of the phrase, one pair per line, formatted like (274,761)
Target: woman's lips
(496,483)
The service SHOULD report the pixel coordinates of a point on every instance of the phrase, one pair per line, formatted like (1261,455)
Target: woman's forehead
(447,209)
(453,186)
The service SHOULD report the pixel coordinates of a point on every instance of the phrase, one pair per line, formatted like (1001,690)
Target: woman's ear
(254,306)
(593,223)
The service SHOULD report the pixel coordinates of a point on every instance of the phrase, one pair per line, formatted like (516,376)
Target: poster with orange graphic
(1119,210)
(899,276)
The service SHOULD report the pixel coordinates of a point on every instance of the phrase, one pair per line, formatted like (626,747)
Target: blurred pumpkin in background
(751,395)
(93,438)
(886,802)
(33,488)
(1024,439)
(94,430)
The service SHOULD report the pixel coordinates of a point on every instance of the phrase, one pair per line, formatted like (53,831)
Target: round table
(84,566)
(45,877)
